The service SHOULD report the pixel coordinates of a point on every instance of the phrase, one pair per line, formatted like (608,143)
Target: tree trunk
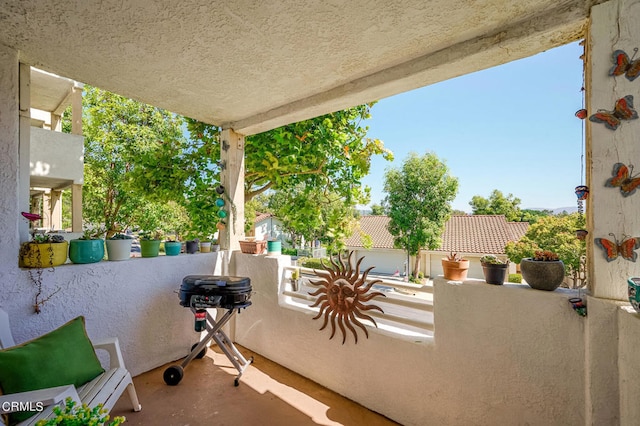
(416,265)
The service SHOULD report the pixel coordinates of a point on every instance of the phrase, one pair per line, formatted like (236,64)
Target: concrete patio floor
(268,394)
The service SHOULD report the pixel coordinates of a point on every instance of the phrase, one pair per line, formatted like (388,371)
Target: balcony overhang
(251,67)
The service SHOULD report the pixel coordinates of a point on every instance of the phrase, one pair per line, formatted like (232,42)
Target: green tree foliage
(131,161)
(557,234)
(532,216)
(377,210)
(330,152)
(419,196)
(497,203)
(314,215)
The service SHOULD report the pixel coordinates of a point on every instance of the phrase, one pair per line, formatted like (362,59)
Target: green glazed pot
(149,248)
(86,251)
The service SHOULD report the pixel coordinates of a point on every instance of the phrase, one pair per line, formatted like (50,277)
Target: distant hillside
(558,210)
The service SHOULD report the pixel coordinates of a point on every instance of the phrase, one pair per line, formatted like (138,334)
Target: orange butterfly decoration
(613,249)
(624,65)
(623,110)
(622,178)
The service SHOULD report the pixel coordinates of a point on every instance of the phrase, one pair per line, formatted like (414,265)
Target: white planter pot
(119,249)
(205,246)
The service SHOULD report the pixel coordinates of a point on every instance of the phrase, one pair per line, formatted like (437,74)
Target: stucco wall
(57,155)
(501,355)
(134,300)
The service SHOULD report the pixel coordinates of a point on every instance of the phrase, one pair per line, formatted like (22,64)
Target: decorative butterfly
(613,249)
(623,110)
(622,178)
(624,65)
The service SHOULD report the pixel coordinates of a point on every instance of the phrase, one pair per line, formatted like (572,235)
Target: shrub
(515,278)
(290,251)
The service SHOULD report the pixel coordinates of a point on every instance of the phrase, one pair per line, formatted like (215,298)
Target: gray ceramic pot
(542,275)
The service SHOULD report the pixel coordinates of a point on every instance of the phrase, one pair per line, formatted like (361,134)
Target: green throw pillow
(62,357)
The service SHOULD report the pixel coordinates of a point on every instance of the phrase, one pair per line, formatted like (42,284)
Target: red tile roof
(481,234)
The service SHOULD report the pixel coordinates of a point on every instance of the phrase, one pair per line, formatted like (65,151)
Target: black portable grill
(202,292)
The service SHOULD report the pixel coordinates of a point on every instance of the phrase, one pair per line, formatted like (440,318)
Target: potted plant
(89,248)
(172,246)
(214,245)
(251,246)
(149,244)
(494,269)
(455,267)
(192,245)
(119,247)
(543,271)
(205,244)
(44,250)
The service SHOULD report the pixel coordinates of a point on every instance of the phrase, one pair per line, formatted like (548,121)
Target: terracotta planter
(495,274)
(455,270)
(86,251)
(43,255)
(253,247)
(542,275)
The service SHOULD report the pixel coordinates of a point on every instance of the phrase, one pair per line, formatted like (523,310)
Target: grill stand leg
(173,374)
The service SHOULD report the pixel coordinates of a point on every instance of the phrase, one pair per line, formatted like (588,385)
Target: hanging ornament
(581,234)
(220,189)
(222,214)
(578,305)
(581,114)
(221,225)
(220,202)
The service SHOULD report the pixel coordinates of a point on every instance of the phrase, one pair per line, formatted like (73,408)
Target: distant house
(269,227)
(470,236)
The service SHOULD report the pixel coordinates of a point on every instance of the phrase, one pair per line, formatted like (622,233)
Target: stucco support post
(613,25)
(9,171)
(232,178)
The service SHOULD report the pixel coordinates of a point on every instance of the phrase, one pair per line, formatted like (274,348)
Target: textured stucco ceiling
(254,64)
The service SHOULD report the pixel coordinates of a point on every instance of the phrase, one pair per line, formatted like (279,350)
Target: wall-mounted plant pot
(455,270)
(542,275)
(43,255)
(495,274)
(149,248)
(172,248)
(119,249)
(86,251)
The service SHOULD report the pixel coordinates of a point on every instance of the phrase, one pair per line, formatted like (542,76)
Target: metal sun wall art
(613,249)
(343,293)
(623,110)
(622,178)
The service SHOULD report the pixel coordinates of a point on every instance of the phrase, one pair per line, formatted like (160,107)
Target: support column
(232,178)
(613,26)
(24,168)
(55,209)
(10,218)
(76,208)
(76,110)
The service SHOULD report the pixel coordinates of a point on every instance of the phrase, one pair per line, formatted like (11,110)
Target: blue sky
(510,128)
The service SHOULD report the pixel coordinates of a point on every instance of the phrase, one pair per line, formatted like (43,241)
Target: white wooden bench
(105,389)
